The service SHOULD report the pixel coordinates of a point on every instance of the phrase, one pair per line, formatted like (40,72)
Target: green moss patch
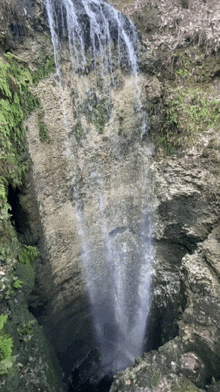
(6,343)
(44,70)
(98,115)
(190,105)
(43,132)
(190,112)
(16,102)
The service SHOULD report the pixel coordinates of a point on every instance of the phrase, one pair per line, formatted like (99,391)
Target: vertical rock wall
(94,149)
(94,159)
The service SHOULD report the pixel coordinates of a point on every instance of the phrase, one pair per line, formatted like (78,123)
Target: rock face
(162,371)
(94,160)
(110,179)
(186,226)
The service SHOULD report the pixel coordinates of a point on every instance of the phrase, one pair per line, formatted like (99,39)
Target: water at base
(119,288)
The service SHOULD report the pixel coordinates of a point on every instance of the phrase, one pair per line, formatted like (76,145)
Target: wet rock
(199,325)
(160,371)
(200,332)
(193,368)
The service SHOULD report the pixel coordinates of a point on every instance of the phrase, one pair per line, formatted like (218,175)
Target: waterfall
(117,260)
(90,26)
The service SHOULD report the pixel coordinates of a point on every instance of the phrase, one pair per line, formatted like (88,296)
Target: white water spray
(119,283)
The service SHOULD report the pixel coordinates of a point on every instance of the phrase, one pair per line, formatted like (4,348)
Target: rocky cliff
(183,38)
(85,140)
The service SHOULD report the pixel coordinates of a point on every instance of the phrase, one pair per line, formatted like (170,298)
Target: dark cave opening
(19,217)
(90,377)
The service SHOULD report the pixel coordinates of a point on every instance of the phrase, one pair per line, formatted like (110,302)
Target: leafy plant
(28,254)
(16,102)
(6,344)
(26,331)
(190,111)
(17,284)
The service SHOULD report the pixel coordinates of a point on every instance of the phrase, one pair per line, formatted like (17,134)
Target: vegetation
(78,130)
(6,344)
(190,106)
(44,70)
(28,254)
(26,331)
(189,112)
(16,102)
(43,131)
(21,338)
(98,115)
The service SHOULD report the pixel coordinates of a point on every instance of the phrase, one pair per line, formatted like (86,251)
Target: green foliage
(78,130)
(44,71)
(16,102)
(190,112)
(29,102)
(43,132)
(26,331)
(28,254)
(4,253)
(182,72)
(165,143)
(3,320)
(98,115)
(4,206)
(17,284)
(6,344)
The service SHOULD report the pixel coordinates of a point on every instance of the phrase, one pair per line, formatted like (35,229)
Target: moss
(6,343)
(78,130)
(154,380)
(98,115)
(189,108)
(190,111)
(44,70)
(16,102)
(31,365)
(184,385)
(43,132)
(30,368)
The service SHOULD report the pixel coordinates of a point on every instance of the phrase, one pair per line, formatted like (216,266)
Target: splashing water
(119,284)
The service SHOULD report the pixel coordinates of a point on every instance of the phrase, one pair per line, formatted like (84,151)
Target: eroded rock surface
(95,151)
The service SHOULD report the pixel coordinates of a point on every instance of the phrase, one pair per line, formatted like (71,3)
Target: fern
(16,102)
(28,254)
(4,87)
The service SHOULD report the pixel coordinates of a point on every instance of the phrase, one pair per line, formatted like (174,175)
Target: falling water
(119,283)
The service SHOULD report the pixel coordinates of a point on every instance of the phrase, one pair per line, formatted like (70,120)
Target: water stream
(118,269)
